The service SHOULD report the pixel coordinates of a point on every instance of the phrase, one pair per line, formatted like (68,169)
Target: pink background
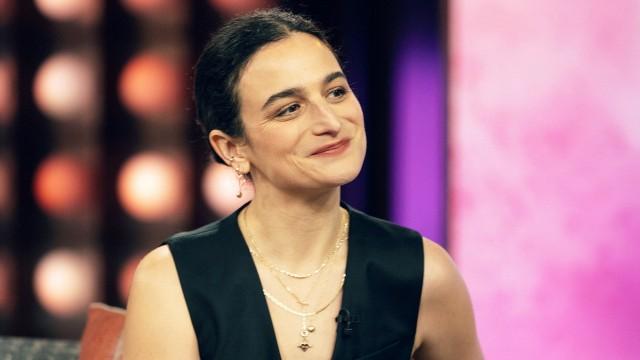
(545,174)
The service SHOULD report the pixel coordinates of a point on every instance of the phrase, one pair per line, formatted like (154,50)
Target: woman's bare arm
(157,324)
(446,326)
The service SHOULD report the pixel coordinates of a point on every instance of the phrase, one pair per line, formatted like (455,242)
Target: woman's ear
(230,149)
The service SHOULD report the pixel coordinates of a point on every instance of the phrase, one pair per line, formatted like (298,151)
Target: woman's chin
(339,178)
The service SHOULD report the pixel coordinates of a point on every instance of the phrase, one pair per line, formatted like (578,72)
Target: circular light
(83,11)
(6,197)
(220,186)
(65,282)
(239,7)
(65,87)
(151,86)
(7,90)
(125,278)
(152,187)
(7,297)
(62,185)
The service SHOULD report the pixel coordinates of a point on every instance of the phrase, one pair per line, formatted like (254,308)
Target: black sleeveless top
(229,312)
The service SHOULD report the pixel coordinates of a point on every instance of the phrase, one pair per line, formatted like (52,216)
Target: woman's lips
(332,149)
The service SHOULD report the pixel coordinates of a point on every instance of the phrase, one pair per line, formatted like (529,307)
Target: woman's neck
(293,232)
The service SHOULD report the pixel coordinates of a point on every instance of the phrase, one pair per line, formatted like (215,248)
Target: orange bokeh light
(125,278)
(66,282)
(65,87)
(220,186)
(83,11)
(239,7)
(152,86)
(7,90)
(152,187)
(63,185)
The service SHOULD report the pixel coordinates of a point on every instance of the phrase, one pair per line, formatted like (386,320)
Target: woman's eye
(338,93)
(288,110)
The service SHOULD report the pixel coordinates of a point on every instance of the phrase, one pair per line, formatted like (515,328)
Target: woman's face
(304,126)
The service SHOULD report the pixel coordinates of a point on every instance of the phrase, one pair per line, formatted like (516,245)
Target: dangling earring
(242,179)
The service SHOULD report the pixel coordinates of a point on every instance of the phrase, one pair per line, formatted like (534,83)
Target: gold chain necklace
(301,301)
(253,249)
(305,329)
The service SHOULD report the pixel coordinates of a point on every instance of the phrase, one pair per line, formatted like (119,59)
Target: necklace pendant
(305,332)
(304,346)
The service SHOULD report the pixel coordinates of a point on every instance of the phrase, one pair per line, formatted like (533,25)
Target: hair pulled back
(224,57)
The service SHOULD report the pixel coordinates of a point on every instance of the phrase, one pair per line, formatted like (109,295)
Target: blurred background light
(7,273)
(82,11)
(65,87)
(237,7)
(152,86)
(152,186)
(7,89)
(63,185)
(6,187)
(220,185)
(6,10)
(125,277)
(66,282)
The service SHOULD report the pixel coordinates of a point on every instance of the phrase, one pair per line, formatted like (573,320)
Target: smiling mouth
(333,149)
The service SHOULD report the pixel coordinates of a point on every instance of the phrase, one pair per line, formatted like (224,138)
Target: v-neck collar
(254,283)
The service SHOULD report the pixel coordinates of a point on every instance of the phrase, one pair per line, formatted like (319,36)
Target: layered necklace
(306,328)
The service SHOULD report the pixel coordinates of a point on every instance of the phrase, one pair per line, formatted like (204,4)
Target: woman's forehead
(298,61)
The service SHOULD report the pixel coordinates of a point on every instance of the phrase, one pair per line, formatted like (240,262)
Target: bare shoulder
(157,323)
(157,262)
(446,326)
(441,277)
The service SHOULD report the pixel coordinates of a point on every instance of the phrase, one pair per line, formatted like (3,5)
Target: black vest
(229,312)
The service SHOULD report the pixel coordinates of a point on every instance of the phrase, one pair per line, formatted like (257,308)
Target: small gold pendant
(305,332)
(304,346)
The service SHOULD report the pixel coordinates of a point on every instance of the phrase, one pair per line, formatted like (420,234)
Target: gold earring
(242,179)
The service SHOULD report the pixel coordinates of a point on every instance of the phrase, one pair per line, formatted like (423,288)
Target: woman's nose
(325,120)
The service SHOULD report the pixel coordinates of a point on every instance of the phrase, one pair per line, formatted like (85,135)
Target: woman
(294,274)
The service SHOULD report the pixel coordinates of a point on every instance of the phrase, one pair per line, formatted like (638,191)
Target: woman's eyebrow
(334,75)
(283,94)
(298,91)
